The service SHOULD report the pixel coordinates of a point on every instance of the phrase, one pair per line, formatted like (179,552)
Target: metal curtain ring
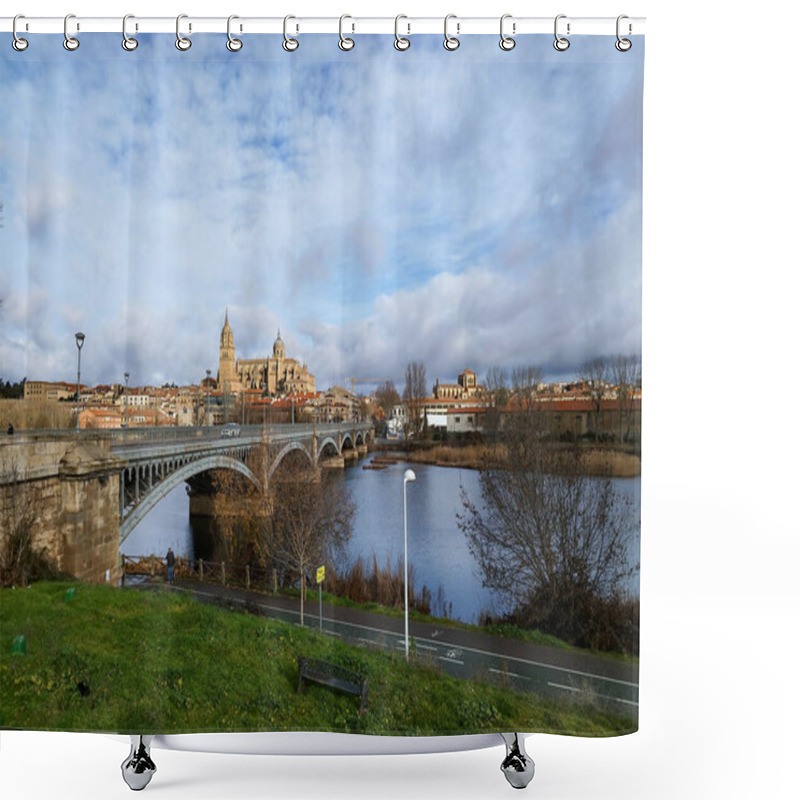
(345,43)
(233,44)
(289,44)
(181,42)
(128,42)
(623,45)
(70,42)
(506,42)
(400,42)
(561,43)
(18,43)
(450,42)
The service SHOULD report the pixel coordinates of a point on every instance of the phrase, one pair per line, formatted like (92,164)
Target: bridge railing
(219,572)
(120,437)
(172,434)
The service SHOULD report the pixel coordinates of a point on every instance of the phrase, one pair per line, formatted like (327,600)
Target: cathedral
(277,373)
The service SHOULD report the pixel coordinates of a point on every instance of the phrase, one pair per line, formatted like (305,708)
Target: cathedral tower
(226,378)
(278,348)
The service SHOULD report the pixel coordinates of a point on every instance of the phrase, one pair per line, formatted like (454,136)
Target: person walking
(170,565)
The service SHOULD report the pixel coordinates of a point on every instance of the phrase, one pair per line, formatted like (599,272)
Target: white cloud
(462,213)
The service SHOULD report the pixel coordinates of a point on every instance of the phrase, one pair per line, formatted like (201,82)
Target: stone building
(467,387)
(277,373)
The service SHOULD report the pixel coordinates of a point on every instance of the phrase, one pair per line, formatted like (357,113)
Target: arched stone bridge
(156,466)
(82,493)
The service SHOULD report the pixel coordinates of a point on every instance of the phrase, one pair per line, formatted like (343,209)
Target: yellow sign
(320,574)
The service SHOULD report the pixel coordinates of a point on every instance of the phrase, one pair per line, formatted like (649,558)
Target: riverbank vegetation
(384,586)
(128,661)
(612,460)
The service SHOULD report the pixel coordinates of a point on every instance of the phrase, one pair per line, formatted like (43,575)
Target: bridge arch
(325,443)
(283,453)
(160,490)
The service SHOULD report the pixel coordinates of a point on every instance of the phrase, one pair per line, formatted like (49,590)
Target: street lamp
(407,476)
(79,337)
(208,397)
(127,375)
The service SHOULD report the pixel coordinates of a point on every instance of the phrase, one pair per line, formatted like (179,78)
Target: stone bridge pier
(332,462)
(66,490)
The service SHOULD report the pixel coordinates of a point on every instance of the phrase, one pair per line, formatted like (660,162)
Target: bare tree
(387,397)
(627,375)
(414,394)
(312,515)
(552,541)
(595,374)
(525,382)
(496,386)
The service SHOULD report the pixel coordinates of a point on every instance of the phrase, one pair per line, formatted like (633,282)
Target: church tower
(227,358)
(278,348)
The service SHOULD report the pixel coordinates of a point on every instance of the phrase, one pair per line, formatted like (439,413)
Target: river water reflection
(437,547)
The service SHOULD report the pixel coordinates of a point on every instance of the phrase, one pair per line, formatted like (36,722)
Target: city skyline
(481,244)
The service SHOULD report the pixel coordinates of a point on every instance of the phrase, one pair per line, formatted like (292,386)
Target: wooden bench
(327,674)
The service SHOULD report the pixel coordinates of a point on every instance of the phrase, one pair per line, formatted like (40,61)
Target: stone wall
(41,501)
(71,486)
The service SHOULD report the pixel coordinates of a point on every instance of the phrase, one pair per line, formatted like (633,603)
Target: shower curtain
(321,377)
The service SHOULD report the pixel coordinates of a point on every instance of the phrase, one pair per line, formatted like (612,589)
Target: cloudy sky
(461,209)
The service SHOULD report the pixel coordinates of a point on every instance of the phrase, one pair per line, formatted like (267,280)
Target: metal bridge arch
(283,453)
(160,490)
(325,442)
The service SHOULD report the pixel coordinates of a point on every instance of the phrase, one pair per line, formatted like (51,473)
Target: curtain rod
(407,25)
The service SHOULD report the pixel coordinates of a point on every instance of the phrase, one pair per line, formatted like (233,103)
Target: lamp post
(79,337)
(408,475)
(208,397)
(127,376)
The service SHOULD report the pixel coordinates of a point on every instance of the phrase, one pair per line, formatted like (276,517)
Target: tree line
(11,390)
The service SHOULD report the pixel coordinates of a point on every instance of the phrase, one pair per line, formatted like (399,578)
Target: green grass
(507,631)
(162,662)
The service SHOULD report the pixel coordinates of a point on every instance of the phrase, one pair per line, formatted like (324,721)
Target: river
(437,548)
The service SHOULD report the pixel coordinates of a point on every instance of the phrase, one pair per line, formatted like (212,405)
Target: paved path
(546,670)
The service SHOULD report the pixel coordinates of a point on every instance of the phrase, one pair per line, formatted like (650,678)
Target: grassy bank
(503,630)
(129,661)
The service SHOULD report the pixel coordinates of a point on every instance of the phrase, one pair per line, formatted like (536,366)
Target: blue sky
(460,209)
